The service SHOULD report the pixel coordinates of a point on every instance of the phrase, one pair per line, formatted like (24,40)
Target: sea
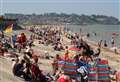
(103,32)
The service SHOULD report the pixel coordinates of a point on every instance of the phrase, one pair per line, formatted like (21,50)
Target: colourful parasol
(74,49)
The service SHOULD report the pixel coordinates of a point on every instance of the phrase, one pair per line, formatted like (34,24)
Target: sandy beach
(45,65)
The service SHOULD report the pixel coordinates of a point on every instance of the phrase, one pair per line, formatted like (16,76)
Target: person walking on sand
(112,42)
(100,43)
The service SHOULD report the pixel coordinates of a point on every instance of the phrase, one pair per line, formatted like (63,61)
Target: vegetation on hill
(54,18)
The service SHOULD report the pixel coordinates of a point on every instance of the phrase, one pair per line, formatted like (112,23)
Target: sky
(88,7)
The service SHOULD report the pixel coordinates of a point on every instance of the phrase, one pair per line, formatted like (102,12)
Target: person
(100,43)
(97,52)
(88,35)
(29,51)
(112,41)
(55,63)
(14,40)
(18,69)
(23,39)
(15,63)
(37,74)
(105,44)
(95,33)
(1,50)
(27,71)
(31,40)
(118,76)
(63,77)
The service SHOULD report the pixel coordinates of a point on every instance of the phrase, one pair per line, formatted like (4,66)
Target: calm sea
(103,32)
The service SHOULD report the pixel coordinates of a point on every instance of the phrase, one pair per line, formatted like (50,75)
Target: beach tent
(69,67)
(92,75)
(103,71)
(100,72)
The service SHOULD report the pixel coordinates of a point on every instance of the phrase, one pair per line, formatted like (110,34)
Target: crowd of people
(84,65)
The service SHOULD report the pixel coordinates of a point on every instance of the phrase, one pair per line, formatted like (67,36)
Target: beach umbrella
(74,49)
(68,57)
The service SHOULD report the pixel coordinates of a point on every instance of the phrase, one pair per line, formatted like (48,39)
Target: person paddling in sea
(105,44)
(88,35)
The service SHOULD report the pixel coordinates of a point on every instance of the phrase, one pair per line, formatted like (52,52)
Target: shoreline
(95,43)
(106,48)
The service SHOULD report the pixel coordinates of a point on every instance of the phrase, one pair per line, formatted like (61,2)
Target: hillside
(54,18)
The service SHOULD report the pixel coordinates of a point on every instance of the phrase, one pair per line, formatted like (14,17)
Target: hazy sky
(104,7)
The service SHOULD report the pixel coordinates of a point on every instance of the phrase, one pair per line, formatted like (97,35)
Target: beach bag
(82,70)
(103,71)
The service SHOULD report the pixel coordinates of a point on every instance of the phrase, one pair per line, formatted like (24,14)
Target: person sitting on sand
(29,51)
(37,74)
(21,39)
(27,72)
(55,63)
(62,77)
(1,50)
(97,52)
(14,40)
(18,69)
(15,63)
(118,76)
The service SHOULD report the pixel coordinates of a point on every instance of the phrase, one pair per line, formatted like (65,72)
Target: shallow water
(103,32)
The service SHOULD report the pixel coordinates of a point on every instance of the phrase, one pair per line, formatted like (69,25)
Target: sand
(45,65)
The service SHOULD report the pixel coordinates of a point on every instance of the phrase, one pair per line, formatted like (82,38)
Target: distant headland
(55,18)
